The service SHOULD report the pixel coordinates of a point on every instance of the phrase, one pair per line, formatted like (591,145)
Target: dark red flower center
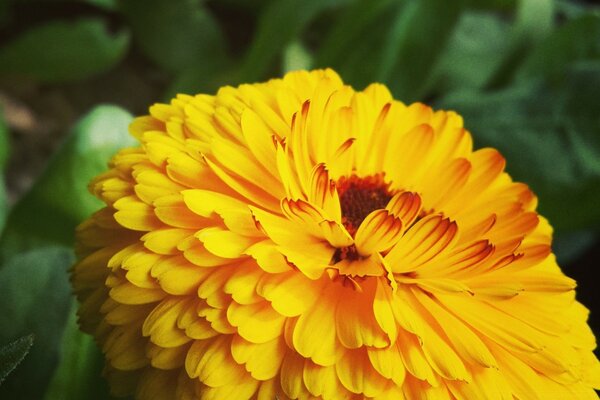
(359,196)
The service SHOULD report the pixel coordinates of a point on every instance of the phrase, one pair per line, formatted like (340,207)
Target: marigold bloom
(296,239)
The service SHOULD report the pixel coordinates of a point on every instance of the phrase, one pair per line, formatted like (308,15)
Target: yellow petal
(165,241)
(383,310)
(493,323)
(268,257)
(323,193)
(161,323)
(336,234)
(388,362)
(211,362)
(143,124)
(314,335)
(460,263)
(288,176)
(290,293)
(424,241)
(127,293)
(322,381)
(487,383)
(263,360)
(173,211)
(447,184)
(291,376)
(379,231)
(281,230)
(370,266)
(298,140)
(441,356)
(242,283)
(241,222)
(414,360)
(259,138)
(196,253)
(522,379)
(251,192)
(355,323)
(466,343)
(177,276)
(160,147)
(257,323)
(166,358)
(125,348)
(406,206)
(303,214)
(442,285)
(414,147)
(311,260)
(358,375)
(153,184)
(224,243)
(138,267)
(310,219)
(206,202)
(136,215)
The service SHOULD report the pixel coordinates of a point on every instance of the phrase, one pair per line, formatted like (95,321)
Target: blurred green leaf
(4,141)
(473,52)
(12,354)
(4,154)
(417,39)
(296,57)
(352,27)
(245,4)
(36,298)
(397,43)
(534,20)
(572,9)
(202,78)
(176,35)
(108,4)
(568,246)
(4,12)
(78,375)
(280,23)
(3,202)
(492,5)
(578,39)
(64,51)
(550,135)
(59,200)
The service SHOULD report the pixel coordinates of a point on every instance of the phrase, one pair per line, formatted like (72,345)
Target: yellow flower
(296,239)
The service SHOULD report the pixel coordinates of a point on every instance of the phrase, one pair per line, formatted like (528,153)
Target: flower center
(360,196)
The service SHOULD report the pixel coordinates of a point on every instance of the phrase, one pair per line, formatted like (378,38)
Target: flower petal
(426,239)
(358,375)
(378,232)
(323,193)
(355,323)
(314,335)
(406,206)
(261,360)
(257,323)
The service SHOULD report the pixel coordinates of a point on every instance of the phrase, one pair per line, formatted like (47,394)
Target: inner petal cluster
(360,197)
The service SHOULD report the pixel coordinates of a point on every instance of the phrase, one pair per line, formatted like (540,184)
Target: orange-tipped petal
(379,231)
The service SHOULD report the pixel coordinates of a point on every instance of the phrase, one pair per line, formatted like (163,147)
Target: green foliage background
(525,74)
